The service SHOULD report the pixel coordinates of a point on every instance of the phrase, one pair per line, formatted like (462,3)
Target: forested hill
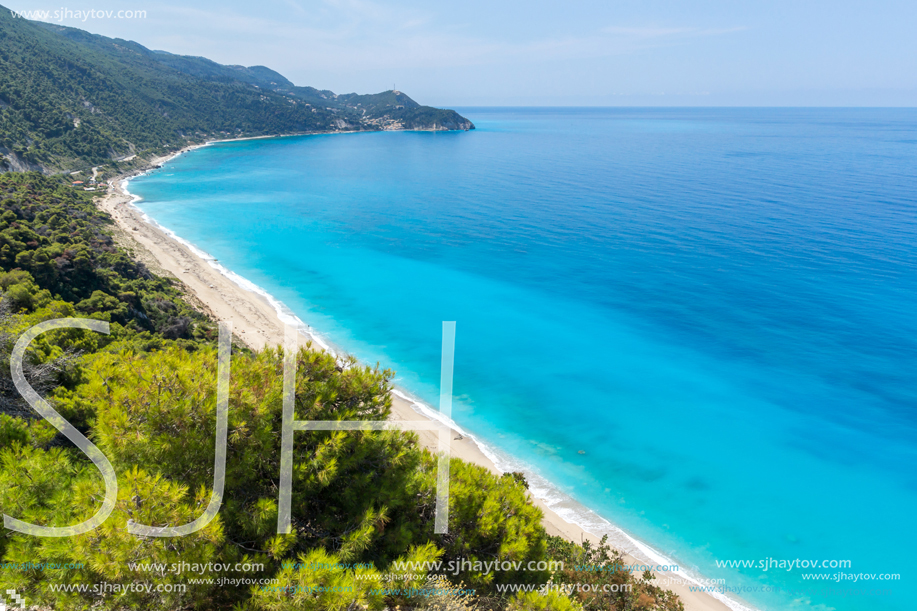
(363,504)
(70,100)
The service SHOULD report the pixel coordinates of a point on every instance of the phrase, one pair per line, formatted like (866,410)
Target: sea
(693,329)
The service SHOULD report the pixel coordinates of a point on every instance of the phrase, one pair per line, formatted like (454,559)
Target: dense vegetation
(145,394)
(60,247)
(70,100)
(394,106)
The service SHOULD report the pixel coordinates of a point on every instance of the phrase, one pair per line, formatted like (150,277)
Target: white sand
(257,324)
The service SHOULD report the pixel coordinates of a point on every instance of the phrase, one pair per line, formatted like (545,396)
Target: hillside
(70,100)
(145,394)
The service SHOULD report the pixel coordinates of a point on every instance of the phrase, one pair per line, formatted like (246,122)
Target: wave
(284,313)
(541,488)
(571,510)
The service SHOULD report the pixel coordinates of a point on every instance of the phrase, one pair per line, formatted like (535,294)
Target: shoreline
(259,320)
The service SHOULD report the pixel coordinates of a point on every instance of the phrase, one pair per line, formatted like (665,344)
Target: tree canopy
(363,502)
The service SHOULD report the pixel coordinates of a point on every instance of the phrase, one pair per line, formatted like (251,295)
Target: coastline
(259,321)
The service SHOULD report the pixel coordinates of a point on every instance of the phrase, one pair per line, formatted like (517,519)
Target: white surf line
(505,463)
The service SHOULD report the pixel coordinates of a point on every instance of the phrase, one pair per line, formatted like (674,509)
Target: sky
(544,53)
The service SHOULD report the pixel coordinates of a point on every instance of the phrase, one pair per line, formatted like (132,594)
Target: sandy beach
(256,323)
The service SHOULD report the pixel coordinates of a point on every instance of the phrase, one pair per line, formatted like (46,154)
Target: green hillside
(70,100)
(361,501)
(390,108)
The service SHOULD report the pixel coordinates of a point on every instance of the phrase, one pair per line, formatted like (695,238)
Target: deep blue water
(716,305)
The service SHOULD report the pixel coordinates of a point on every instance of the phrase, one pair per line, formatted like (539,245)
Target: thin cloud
(645,32)
(338,35)
(656,32)
(415,23)
(296,7)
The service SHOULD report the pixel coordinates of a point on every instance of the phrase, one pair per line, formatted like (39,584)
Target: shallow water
(715,305)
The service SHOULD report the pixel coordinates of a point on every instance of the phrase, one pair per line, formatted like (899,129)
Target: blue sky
(536,52)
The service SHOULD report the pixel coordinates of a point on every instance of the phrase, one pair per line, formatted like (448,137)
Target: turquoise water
(716,305)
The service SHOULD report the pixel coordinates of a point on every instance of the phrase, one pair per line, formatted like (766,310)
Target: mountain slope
(70,100)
